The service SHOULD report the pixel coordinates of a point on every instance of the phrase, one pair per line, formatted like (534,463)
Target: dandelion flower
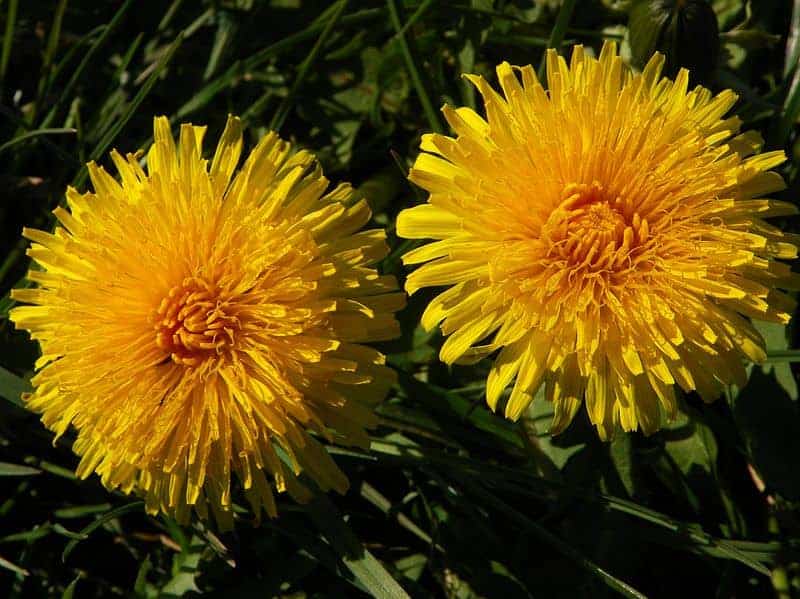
(606,236)
(196,322)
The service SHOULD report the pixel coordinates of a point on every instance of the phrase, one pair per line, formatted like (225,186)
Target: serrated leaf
(691,443)
(555,448)
(185,570)
(776,340)
(621,453)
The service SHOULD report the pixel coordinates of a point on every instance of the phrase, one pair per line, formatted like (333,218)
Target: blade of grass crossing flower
(566,549)
(410,56)
(364,566)
(86,531)
(302,72)
(112,133)
(65,95)
(558,32)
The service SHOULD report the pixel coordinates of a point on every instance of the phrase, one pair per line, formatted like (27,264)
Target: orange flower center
(194,322)
(590,230)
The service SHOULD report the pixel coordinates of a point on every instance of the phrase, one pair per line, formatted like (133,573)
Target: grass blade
(364,566)
(4,563)
(523,483)
(410,56)
(106,141)
(558,32)
(791,104)
(210,91)
(376,498)
(8,37)
(783,355)
(86,531)
(283,110)
(35,133)
(66,94)
(46,74)
(566,549)
(7,469)
(416,16)
(12,386)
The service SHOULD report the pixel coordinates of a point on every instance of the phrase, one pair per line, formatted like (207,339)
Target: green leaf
(185,570)
(777,343)
(621,453)
(558,449)
(691,444)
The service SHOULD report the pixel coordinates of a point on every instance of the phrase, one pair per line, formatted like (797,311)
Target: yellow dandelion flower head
(195,321)
(605,235)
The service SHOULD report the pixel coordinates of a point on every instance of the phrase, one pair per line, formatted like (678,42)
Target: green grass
(452,501)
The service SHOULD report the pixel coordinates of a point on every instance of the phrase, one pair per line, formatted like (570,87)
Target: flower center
(192,323)
(590,230)
(593,225)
